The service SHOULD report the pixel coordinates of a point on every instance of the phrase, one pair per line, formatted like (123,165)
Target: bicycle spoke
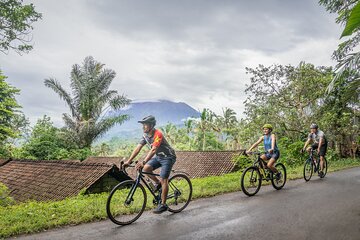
(180,192)
(126,203)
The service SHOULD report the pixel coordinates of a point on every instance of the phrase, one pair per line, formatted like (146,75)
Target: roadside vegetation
(33,217)
(288,97)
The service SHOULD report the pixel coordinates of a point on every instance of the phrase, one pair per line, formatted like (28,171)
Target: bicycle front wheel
(308,169)
(126,202)
(279,182)
(180,192)
(251,181)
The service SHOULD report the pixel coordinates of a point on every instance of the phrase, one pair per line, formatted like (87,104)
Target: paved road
(323,209)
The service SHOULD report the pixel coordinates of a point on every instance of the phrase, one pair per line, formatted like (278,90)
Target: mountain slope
(164,111)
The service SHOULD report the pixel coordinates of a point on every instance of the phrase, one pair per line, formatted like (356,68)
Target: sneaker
(321,174)
(160,209)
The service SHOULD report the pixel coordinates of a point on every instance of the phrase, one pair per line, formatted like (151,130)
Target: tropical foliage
(16,23)
(346,55)
(90,102)
(8,108)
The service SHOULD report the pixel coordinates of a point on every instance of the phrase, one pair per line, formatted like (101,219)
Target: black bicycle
(127,200)
(312,164)
(252,177)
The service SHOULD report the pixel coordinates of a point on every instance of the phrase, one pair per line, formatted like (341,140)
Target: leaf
(353,22)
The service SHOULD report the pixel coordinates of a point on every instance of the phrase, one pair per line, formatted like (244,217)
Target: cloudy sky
(193,51)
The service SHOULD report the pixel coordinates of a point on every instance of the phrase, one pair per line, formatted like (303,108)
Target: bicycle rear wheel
(180,192)
(278,183)
(308,169)
(126,203)
(251,181)
(325,168)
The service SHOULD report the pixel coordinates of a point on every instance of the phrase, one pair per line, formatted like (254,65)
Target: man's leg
(166,166)
(165,189)
(149,167)
(322,156)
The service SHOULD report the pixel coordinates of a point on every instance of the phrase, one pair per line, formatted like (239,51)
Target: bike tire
(255,182)
(118,210)
(325,167)
(308,169)
(180,193)
(279,183)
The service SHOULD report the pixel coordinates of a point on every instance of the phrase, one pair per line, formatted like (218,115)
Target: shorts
(275,155)
(323,148)
(165,163)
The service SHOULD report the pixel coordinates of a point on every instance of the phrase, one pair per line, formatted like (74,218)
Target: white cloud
(194,52)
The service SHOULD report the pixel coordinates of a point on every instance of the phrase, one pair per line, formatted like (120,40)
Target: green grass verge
(33,217)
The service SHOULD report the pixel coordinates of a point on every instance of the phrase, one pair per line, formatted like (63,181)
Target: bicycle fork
(129,199)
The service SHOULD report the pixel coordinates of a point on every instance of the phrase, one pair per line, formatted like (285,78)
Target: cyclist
(272,152)
(319,142)
(165,158)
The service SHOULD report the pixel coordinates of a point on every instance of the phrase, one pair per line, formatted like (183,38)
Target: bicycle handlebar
(122,168)
(253,153)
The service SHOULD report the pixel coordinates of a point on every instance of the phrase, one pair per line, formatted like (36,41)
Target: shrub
(242,161)
(5,198)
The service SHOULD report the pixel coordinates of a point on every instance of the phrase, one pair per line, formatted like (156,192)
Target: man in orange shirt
(165,158)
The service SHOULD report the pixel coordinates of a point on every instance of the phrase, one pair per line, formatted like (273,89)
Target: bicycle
(127,200)
(312,164)
(252,177)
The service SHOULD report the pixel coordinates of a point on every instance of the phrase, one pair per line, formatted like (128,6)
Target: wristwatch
(144,162)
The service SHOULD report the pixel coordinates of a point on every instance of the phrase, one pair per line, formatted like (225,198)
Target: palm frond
(56,87)
(105,124)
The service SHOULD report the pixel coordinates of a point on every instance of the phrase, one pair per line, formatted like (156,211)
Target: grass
(33,217)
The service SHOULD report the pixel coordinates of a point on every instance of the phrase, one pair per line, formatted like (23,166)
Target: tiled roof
(106,160)
(208,163)
(3,161)
(49,180)
(201,163)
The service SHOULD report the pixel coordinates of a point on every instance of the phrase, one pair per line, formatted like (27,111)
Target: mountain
(164,111)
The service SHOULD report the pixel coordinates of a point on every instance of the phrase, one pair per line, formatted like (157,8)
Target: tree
(170,132)
(8,108)
(286,96)
(16,22)
(205,129)
(91,102)
(44,141)
(348,59)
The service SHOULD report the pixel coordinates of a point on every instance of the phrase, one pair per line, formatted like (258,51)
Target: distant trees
(8,108)
(90,102)
(16,21)
(290,98)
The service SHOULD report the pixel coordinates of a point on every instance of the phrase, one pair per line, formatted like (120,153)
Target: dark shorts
(275,155)
(165,163)
(323,148)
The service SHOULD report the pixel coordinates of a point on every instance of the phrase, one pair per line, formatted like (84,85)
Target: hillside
(165,112)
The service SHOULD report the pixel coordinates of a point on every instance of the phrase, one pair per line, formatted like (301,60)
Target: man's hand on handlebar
(125,164)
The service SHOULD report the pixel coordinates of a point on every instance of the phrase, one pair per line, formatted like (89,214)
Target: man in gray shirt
(319,142)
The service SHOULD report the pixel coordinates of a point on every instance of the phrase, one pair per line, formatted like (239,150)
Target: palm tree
(205,124)
(170,130)
(229,118)
(90,102)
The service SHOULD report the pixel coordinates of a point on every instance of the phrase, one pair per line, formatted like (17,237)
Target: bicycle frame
(314,160)
(260,164)
(139,179)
